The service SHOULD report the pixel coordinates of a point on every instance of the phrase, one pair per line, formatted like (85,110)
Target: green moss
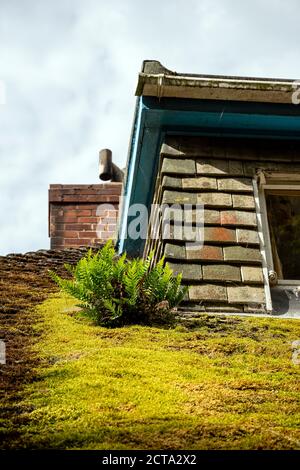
(227,384)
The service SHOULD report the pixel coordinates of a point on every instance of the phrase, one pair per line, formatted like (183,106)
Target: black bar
(154,458)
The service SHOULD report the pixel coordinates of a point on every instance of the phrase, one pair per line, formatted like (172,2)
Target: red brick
(104,212)
(68,234)
(93,198)
(69,207)
(56,210)
(77,241)
(83,212)
(88,220)
(68,219)
(99,186)
(87,206)
(61,227)
(77,198)
(52,229)
(72,207)
(73,213)
(86,234)
(77,226)
(56,242)
(82,192)
(69,212)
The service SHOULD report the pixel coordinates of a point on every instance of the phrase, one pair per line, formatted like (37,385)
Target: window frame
(267,181)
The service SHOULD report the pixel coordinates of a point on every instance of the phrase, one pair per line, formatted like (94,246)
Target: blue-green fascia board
(141,169)
(155,118)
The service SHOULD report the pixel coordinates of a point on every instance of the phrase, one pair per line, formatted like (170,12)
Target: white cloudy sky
(70,68)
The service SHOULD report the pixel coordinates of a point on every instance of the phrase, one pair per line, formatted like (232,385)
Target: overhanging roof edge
(157,81)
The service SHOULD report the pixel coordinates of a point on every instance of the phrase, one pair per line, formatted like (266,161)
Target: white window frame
(263,243)
(270,183)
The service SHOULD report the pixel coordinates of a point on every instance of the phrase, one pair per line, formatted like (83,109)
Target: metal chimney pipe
(108,171)
(105,165)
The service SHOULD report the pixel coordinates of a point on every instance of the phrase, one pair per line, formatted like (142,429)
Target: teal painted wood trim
(134,145)
(139,184)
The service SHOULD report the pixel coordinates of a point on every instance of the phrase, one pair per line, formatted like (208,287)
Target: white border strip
(263,250)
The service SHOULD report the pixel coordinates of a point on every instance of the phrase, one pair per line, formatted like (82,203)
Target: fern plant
(115,291)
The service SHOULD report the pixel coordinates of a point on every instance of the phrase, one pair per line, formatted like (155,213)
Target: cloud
(70,69)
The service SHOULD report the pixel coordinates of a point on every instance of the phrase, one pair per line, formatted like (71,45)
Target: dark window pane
(284,224)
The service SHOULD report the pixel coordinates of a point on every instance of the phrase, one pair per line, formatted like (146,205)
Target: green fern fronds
(116,290)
